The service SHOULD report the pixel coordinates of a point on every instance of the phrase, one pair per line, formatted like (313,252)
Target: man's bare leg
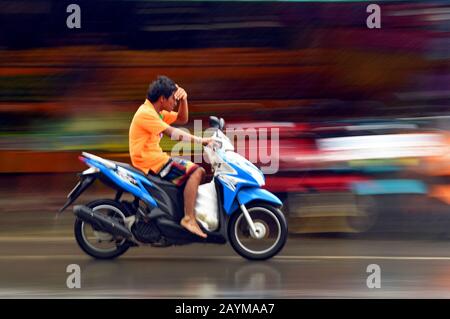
(190,195)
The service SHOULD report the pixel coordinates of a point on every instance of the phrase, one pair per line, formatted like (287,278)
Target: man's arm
(179,135)
(183,112)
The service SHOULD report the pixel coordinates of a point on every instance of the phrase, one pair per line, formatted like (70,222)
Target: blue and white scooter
(232,207)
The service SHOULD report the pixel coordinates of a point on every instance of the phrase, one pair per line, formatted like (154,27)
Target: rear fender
(86,179)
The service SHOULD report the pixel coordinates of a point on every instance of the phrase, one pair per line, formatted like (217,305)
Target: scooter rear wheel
(270,221)
(101,245)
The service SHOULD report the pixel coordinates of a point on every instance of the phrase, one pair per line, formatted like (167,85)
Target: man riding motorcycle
(150,122)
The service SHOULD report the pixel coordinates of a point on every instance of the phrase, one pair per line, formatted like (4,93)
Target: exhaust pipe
(102,222)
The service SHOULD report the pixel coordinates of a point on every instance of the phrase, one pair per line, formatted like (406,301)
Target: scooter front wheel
(272,228)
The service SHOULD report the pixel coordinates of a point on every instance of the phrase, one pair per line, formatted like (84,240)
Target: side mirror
(221,124)
(214,122)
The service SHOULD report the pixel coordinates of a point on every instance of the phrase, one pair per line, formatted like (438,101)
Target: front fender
(250,194)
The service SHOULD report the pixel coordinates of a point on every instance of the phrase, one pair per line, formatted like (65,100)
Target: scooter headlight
(258,176)
(260,179)
(255,172)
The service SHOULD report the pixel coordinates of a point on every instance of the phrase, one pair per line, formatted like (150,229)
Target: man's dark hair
(162,86)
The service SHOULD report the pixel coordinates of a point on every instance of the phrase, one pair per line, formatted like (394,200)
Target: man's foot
(191,225)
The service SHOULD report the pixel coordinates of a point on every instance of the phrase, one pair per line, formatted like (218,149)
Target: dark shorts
(177,170)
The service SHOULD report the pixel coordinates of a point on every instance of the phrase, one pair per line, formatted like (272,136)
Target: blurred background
(363,114)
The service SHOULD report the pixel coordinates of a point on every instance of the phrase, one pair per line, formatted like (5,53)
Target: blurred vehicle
(335,177)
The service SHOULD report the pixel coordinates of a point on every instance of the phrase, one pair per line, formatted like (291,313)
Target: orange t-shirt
(145,134)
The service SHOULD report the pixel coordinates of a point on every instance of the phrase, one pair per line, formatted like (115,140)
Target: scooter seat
(153,178)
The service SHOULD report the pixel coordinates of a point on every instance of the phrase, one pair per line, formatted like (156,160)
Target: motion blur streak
(363,114)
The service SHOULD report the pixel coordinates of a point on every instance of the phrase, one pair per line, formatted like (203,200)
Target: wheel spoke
(266,223)
(100,241)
